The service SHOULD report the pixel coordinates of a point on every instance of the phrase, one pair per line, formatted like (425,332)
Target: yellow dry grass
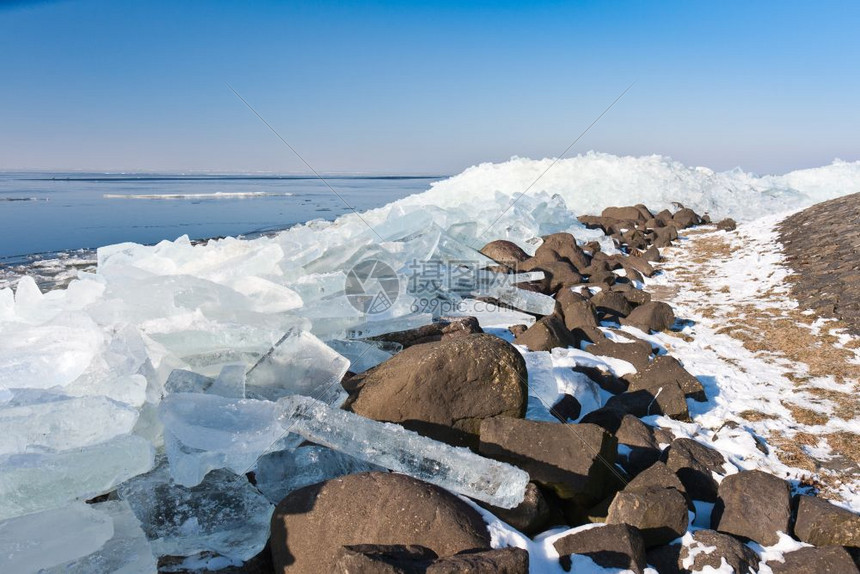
(774,332)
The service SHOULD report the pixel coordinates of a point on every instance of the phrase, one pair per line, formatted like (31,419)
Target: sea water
(51,212)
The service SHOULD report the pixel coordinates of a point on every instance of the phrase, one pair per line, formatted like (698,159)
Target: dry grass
(756,416)
(845,444)
(773,332)
(805,416)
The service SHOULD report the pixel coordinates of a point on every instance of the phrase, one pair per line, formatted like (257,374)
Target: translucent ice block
(223,514)
(33,482)
(391,446)
(126,552)
(298,364)
(204,432)
(280,473)
(62,423)
(45,539)
(528,301)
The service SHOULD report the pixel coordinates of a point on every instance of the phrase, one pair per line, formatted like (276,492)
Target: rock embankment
(627,489)
(822,245)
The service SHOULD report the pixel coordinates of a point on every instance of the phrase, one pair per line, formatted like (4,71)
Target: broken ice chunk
(362,355)
(45,539)
(126,552)
(521,299)
(61,423)
(280,473)
(230,382)
(182,381)
(223,514)
(33,482)
(204,432)
(298,364)
(391,446)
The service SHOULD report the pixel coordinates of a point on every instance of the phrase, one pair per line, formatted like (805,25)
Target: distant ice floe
(214,195)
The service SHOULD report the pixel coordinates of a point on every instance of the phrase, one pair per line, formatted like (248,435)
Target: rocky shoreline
(619,490)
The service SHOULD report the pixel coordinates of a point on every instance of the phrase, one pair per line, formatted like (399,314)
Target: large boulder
(557,274)
(694,463)
(638,448)
(658,475)
(666,369)
(636,352)
(664,399)
(738,555)
(821,523)
(650,316)
(625,213)
(312,524)
(685,218)
(824,560)
(505,252)
(660,513)
(753,505)
(579,314)
(610,546)
(562,246)
(443,390)
(575,460)
(612,303)
(546,334)
(707,550)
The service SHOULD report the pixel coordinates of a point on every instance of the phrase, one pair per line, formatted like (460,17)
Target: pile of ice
(165,376)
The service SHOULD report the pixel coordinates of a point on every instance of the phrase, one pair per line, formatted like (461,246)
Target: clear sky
(429,87)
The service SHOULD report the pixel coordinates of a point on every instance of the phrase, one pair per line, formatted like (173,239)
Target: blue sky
(428,87)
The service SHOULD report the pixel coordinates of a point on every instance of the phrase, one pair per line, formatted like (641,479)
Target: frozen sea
(47,217)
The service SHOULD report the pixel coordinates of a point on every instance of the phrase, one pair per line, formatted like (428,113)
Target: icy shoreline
(114,340)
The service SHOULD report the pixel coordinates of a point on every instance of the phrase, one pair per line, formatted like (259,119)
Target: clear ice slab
(46,539)
(298,364)
(224,514)
(391,446)
(55,422)
(282,472)
(203,432)
(126,552)
(37,481)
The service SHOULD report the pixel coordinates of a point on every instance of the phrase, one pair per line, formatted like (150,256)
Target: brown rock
(825,560)
(728,224)
(659,513)
(637,353)
(505,252)
(383,559)
(753,505)
(532,516)
(693,462)
(736,554)
(575,460)
(444,389)
(546,334)
(499,561)
(651,316)
(312,524)
(562,246)
(665,369)
(444,328)
(822,523)
(625,213)
(610,546)
(612,303)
